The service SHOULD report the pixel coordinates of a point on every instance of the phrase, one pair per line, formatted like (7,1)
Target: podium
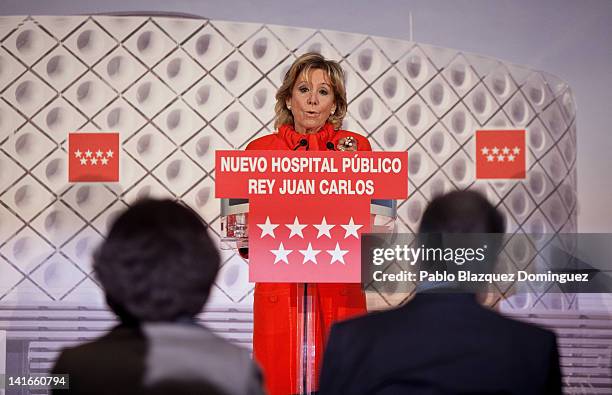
(235,236)
(301,224)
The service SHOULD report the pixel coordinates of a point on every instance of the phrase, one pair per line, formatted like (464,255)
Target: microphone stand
(305,345)
(303,376)
(308,348)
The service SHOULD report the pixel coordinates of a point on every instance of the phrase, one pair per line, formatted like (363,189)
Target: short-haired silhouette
(442,343)
(157,266)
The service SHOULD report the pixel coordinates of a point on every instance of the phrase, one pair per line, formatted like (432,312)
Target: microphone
(302,143)
(330,146)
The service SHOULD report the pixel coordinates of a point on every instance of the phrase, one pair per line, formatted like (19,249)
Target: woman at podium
(310,106)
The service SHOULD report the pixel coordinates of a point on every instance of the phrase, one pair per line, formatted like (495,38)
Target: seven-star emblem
(94,157)
(500,154)
(88,161)
(506,154)
(281,254)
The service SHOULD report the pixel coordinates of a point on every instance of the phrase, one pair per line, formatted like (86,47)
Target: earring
(289,107)
(333,111)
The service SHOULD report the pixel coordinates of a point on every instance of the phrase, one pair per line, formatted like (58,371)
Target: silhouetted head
(460,231)
(158,262)
(461,212)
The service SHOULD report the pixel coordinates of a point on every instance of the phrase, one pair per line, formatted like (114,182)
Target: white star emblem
(337,255)
(310,254)
(104,161)
(323,228)
(500,158)
(490,158)
(506,150)
(267,228)
(351,229)
(495,150)
(296,228)
(77,153)
(109,153)
(516,150)
(281,254)
(485,151)
(99,153)
(510,158)
(83,161)
(88,153)
(93,161)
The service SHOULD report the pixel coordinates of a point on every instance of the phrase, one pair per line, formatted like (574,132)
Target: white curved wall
(177,89)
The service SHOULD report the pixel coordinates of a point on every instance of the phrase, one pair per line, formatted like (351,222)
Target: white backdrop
(567,38)
(178,89)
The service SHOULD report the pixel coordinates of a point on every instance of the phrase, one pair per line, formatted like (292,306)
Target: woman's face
(312,101)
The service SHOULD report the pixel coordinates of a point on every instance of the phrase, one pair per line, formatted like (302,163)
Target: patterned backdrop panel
(177,89)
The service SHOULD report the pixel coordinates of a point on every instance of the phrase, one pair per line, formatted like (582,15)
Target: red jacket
(288,139)
(276,342)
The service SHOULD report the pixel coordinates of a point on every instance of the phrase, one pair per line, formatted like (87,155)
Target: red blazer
(289,139)
(276,321)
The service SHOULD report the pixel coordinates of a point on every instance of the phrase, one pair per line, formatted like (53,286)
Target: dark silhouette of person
(442,341)
(157,266)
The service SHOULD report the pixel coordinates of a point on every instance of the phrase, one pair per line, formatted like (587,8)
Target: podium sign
(308,209)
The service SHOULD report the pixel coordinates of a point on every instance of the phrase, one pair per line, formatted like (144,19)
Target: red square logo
(500,154)
(314,241)
(93,157)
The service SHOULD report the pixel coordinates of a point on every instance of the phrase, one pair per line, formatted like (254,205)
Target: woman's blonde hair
(304,64)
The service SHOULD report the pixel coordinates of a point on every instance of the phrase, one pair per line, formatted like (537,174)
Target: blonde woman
(310,106)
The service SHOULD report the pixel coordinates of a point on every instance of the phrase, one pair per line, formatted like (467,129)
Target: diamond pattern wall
(178,89)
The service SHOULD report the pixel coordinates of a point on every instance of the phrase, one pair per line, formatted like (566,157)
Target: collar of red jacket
(316,140)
